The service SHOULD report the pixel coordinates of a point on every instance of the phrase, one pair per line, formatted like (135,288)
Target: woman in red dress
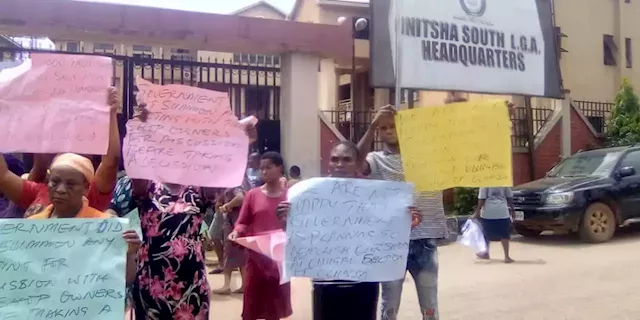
(264,297)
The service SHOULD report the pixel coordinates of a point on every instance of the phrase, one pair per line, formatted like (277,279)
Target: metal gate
(253,89)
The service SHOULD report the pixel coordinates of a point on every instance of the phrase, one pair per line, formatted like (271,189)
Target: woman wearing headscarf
(336,299)
(171,280)
(32,194)
(69,179)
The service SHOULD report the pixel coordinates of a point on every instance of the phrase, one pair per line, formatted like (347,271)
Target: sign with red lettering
(54,103)
(191,137)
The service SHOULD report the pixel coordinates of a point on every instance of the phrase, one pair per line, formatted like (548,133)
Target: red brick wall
(581,135)
(549,152)
(520,164)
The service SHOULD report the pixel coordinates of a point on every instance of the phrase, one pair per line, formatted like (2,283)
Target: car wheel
(598,224)
(527,233)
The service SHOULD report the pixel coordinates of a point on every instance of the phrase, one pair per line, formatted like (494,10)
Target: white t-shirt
(495,202)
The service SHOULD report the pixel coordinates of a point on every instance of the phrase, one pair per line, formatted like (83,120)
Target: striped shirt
(388,166)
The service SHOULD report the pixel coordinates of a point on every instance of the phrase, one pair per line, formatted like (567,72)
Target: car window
(599,164)
(632,159)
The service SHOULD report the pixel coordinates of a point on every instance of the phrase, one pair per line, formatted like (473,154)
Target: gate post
(299,104)
(566,126)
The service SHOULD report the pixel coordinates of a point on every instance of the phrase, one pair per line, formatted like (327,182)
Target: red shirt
(258,214)
(35,197)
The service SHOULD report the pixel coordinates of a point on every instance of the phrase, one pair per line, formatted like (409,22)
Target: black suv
(592,193)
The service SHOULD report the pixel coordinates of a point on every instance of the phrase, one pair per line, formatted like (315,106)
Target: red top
(35,197)
(258,214)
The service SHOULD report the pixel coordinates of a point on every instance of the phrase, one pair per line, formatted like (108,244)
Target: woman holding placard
(264,297)
(337,299)
(171,280)
(68,184)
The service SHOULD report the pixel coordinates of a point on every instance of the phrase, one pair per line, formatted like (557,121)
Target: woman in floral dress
(171,281)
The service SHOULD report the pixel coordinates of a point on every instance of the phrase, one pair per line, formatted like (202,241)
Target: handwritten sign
(56,103)
(191,137)
(134,221)
(348,229)
(62,268)
(458,145)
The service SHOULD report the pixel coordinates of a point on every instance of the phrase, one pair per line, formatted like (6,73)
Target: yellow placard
(464,144)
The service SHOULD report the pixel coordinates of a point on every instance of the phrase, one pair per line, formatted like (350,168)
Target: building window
(73,46)
(259,59)
(139,48)
(104,47)
(142,55)
(181,54)
(628,53)
(609,50)
(180,51)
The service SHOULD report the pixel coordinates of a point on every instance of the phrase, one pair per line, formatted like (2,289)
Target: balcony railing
(598,113)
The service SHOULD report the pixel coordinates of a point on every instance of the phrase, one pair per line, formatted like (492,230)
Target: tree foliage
(465,200)
(624,126)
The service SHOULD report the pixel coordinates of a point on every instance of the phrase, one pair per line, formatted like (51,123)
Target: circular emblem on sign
(474,8)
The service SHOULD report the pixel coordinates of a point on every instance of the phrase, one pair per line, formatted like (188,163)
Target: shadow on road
(230,297)
(501,261)
(623,234)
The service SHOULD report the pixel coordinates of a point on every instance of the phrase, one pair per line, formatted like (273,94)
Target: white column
(299,105)
(328,85)
(566,125)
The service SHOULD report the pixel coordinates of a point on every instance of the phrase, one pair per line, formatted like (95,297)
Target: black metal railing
(354,124)
(598,113)
(519,120)
(351,124)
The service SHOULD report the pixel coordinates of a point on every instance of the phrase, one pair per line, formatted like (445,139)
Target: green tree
(465,200)
(624,126)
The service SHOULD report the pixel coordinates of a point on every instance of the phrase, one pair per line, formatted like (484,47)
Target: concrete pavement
(554,277)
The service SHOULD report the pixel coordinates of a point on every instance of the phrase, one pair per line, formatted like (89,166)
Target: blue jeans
(422,264)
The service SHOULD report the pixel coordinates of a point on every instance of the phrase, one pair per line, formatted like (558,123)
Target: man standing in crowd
(253,170)
(422,261)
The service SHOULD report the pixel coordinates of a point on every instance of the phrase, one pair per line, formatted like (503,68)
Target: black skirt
(496,229)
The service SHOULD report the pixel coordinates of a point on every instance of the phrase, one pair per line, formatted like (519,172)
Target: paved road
(555,278)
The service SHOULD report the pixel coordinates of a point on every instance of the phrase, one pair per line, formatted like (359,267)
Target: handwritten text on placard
(458,145)
(56,103)
(191,138)
(62,268)
(348,229)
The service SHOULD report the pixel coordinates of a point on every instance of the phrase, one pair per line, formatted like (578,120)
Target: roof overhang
(155,26)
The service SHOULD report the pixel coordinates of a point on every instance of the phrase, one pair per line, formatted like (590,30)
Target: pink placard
(56,103)
(270,244)
(191,137)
